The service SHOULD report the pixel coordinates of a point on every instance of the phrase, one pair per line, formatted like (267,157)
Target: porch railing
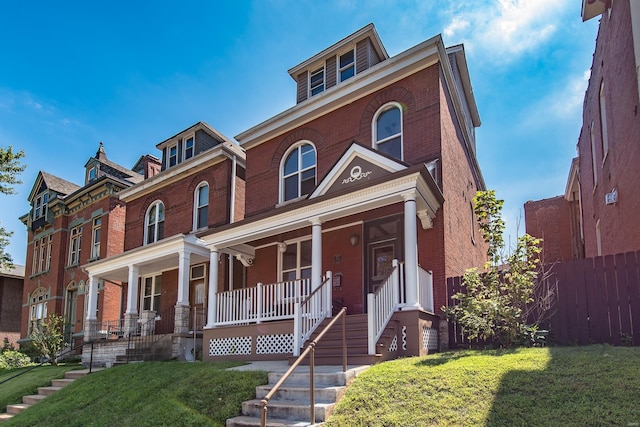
(425,289)
(310,312)
(112,329)
(274,301)
(381,306)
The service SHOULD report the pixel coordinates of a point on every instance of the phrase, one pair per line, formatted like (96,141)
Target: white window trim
(603,123)
(196,205)
(153,295)
(92,169)
(340,69)
(169,165)
(281,176)
(593,157)
(184,147)
(288,243)
(313,70)
(95,245)
(43,200)
(146,224)
(374,127)
(76,252)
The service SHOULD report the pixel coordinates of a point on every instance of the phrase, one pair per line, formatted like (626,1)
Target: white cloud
(567,102)
(503,29)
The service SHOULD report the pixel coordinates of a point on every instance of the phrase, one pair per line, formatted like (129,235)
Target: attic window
(40,205)
(92,173)
(173,156)
(347,65)
(316,81)
(188,147)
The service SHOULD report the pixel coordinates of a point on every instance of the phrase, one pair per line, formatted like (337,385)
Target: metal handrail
(311,347)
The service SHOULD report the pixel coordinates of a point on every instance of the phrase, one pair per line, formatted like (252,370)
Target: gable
(357,165)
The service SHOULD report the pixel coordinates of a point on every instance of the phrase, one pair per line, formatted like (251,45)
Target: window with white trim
(298,172)
(151,293)
(49,252)
(295,261)
(37,307)
(316,81)
(593,156)
(95,238)
(172,157)
(36,257)
(154,223)
(201,206)
(387,130)
(75,241)
(346,65)
(188,147)
(92,173)
(40,205)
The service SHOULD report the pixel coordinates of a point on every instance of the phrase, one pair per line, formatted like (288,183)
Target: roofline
(573,177)
(225,150)
(361,34)
(193,128)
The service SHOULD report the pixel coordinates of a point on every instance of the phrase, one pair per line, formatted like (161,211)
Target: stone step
(302,394)
(33,399)
(46,391)
(244,421)
(288,410)
(301,379)
(62,382)
(16,408)
(5,417)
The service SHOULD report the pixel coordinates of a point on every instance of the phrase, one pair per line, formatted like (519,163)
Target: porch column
(213,288)
(410,250)
(316,253)
(131,314)
(181,320)
(92,307)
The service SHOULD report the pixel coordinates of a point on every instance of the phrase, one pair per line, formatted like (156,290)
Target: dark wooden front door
(383,240)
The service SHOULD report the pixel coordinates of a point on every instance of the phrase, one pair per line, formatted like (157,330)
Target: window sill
(70,266)
(33,276)
(93,259)
(288,202)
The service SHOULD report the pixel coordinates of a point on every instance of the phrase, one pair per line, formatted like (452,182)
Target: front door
(383,245)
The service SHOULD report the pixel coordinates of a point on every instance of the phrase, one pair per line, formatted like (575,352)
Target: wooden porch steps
(43,392)
(290,406)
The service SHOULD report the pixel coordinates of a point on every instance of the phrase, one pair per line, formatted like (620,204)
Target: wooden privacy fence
(593,300)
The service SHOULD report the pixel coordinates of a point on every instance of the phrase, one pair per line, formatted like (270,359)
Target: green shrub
(11,359)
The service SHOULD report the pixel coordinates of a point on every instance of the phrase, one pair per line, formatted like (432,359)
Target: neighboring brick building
(68,226)
(11,284)
(603,180)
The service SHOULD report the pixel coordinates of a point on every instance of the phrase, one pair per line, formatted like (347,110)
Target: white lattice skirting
(230,346)
(274,344)
(394,344)
(429,338)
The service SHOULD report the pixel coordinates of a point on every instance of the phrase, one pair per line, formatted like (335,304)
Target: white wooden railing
(425,289)
(257,304)
(381,305)
(310,312)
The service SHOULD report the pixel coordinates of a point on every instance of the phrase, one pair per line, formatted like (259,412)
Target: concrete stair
(291,405)
(28,401)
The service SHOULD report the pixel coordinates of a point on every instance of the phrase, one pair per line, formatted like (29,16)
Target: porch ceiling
(416,181)
(154,258)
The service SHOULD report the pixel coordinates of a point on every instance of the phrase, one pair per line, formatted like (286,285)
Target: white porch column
(316,253)
(132,291)
(410,250)
(183,278)
(92,306)
(213,288)
(92,299)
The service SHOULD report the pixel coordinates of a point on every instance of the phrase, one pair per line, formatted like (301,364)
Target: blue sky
(131,74)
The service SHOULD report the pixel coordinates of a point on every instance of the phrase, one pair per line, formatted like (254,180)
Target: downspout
(232,211)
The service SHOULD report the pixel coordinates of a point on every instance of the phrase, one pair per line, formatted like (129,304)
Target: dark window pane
(391,147)
(291,164)
(291,188)
(347,73)
(388,124)
(305,253)
(308,156)
(289,258)
(202,217)
(346,59)
(160,230)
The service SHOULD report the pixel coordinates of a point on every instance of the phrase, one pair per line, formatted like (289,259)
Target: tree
(10,168)
(47,336)
(494,302)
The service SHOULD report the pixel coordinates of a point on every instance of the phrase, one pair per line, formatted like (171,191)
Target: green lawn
(147,394)
(28,383)
(558,386)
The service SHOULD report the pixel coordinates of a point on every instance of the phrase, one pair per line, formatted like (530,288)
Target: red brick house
(70,225)
(200,186)
(11,284)
(602,187)
(359,196)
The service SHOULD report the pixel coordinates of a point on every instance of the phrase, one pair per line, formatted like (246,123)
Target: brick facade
(11,284)
(549,220)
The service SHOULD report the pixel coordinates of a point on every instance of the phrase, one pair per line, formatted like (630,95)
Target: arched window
(298,172)
(387,130)
(154,223)
(201,206)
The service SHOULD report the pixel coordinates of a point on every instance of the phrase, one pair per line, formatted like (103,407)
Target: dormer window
(347,65)
(40,205)
(188,147)
(92,173)
(173,156)
(316,81)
